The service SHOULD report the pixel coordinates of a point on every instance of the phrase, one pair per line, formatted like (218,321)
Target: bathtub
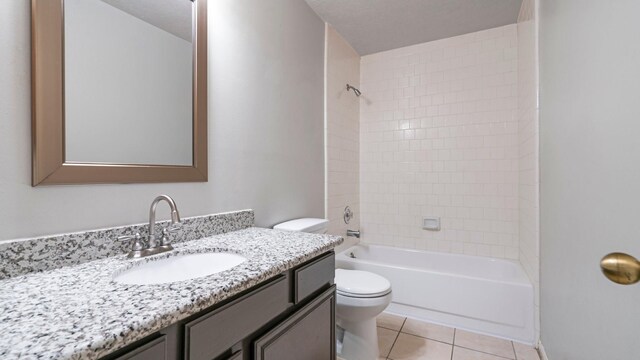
(485,295)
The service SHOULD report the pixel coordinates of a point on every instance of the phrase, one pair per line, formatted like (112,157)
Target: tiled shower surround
(439,137)
(342,127)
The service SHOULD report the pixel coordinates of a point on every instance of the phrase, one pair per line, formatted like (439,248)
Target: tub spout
(354,233)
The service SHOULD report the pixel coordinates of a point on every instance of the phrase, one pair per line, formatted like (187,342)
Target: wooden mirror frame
(49,166)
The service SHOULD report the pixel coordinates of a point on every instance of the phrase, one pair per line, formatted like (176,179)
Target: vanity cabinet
(290,316)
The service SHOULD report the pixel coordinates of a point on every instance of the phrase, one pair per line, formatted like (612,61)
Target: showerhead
(355,90)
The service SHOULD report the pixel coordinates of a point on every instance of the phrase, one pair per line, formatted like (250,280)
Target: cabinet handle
(621,268)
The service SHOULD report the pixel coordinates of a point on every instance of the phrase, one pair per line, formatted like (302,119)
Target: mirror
(127,93)
(119,91)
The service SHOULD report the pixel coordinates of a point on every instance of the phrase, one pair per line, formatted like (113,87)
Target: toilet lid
(361,283)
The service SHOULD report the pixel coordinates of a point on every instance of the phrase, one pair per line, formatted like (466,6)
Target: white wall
(127,88)
(266,81)
(439,137)
(342,132)
(590,176)
(528,164)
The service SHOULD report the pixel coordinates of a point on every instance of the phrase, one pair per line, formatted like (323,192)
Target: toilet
(361,297)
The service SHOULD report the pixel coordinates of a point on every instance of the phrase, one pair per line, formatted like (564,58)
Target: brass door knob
(621,268)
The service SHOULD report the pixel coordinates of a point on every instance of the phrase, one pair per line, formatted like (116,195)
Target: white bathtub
(486,295)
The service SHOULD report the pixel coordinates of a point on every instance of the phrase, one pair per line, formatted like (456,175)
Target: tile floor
(401,338)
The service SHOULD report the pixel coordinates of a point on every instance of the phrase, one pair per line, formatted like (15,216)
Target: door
(590,176)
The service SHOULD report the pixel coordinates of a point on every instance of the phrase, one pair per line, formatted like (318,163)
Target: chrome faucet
(354,233)
(175,219)
(138,248)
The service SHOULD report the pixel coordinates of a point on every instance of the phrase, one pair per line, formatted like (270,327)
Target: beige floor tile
(466,354)
(409,347)
(484,343)
(427,330)
(525,352)
(386,338)
(389,321)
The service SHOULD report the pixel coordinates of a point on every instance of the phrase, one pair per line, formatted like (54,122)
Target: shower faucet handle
(348,215)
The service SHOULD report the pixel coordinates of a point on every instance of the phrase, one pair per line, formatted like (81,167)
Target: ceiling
(173,16)
(372,26)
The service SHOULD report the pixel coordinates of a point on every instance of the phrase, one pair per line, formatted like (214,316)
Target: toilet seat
(363,296)
(361,284)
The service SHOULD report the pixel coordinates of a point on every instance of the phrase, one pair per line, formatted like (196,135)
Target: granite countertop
(78,312)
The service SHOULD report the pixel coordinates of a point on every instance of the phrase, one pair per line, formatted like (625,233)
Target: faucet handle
(166,241)
(137,244)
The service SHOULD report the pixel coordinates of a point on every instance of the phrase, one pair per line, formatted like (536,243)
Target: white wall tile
(439,137)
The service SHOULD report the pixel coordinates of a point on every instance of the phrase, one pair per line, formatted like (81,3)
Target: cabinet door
(308,334)
(153,350)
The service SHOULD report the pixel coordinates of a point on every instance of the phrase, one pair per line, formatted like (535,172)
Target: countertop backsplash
(51,252)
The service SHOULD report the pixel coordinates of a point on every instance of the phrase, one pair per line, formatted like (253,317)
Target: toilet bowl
(361,297)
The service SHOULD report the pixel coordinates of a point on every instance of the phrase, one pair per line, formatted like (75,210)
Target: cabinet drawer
(153,350)
(215,332)
(308,334)
(311,277)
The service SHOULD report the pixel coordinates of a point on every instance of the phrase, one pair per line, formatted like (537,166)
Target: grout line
(396,339)
(427,338)
(453,345)
(402,326)
(455,332)
(388,328)
(515,354)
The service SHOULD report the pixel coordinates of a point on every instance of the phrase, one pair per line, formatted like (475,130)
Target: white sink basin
(179,268)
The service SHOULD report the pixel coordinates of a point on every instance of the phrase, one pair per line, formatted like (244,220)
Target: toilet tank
(308,225)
